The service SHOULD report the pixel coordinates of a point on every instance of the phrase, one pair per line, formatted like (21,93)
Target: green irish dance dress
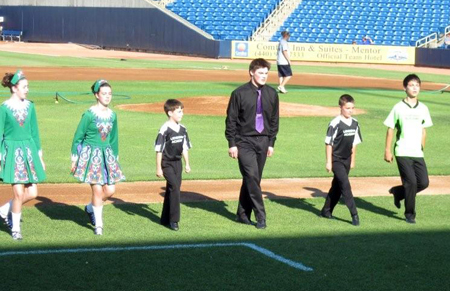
(95,148)
(20,149)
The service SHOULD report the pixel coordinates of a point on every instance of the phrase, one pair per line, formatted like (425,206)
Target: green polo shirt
(409,122)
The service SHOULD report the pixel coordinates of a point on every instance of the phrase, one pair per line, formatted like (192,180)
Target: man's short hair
(409,78)
(285,33)
(258,64)
(346,98)
(171,105)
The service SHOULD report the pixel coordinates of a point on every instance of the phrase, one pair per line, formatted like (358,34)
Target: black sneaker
(411,220)
(396,201)
(261,224)
(355,220)
(90,215)
(244,220)
(326,215)
(174,226)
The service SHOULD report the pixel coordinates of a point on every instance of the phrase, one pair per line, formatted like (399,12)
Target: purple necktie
(259,120)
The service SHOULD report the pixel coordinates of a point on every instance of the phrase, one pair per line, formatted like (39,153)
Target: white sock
(5,209)
(89,207)
(16,221)
(98,212)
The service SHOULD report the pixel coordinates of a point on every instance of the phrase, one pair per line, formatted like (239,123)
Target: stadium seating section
(387,22)
(225,19)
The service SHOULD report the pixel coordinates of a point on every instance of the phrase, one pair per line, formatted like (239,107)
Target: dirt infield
(220,190)
(218,75)
(217,106)
(75,50)
(310,80)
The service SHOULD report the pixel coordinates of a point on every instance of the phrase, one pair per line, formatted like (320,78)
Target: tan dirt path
(221,190)
(74,50)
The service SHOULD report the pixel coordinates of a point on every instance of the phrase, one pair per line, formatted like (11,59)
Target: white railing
(164,3)
(429,41)
(275,20)
(180,19)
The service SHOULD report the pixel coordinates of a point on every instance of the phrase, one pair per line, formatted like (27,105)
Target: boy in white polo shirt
(411,118)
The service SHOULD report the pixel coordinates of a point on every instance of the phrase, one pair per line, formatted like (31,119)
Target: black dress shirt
(241,113)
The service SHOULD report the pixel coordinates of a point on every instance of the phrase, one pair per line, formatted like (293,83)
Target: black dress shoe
(244,220)
(411,220)
(396,200)
(261,224)
(355,220)
(173,226)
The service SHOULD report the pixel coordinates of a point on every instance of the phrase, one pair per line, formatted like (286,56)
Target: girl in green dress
(21,163)
(95,153)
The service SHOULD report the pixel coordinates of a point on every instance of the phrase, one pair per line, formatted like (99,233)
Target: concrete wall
(125,28)
(78,3)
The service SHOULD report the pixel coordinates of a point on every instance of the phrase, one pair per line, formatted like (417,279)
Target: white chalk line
(264,251)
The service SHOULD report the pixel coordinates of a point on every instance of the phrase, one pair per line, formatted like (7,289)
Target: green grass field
(297,155)
(384,253)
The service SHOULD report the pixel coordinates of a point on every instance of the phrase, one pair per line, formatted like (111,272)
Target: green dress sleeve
(35,130)
(114,137)
(80,134)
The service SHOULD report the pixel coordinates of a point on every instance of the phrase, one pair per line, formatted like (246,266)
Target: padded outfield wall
(78,3)
(108,24)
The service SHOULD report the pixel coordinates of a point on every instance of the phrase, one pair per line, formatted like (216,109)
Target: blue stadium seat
(405,19)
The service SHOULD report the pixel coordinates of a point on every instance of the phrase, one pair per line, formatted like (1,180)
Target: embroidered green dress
(20,148)
(95,148)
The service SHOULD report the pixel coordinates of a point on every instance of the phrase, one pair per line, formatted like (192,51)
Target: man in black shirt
(251,130)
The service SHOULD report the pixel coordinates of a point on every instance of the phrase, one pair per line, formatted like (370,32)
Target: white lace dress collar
(17,105)
(101,114)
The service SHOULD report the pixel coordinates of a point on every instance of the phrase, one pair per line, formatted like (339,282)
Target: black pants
(252,154)
(171,208)
(340,186)
(414,174)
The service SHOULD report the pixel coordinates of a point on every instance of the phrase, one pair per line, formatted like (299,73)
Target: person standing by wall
(284,62)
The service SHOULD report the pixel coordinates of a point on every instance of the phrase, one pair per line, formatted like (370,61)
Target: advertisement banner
(317,52)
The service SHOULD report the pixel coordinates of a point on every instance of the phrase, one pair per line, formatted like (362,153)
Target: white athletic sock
(89,207)
(98,212)
(5,209)
(16,221)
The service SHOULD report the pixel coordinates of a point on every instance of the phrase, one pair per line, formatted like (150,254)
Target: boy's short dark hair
(346,98)
(171,105)
(410,78)
(258,64)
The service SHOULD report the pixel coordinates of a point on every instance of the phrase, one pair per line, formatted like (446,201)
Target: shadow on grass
(290,202)
(363,204)
(360,203)
(67,212)
(219,207)
(139,209)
